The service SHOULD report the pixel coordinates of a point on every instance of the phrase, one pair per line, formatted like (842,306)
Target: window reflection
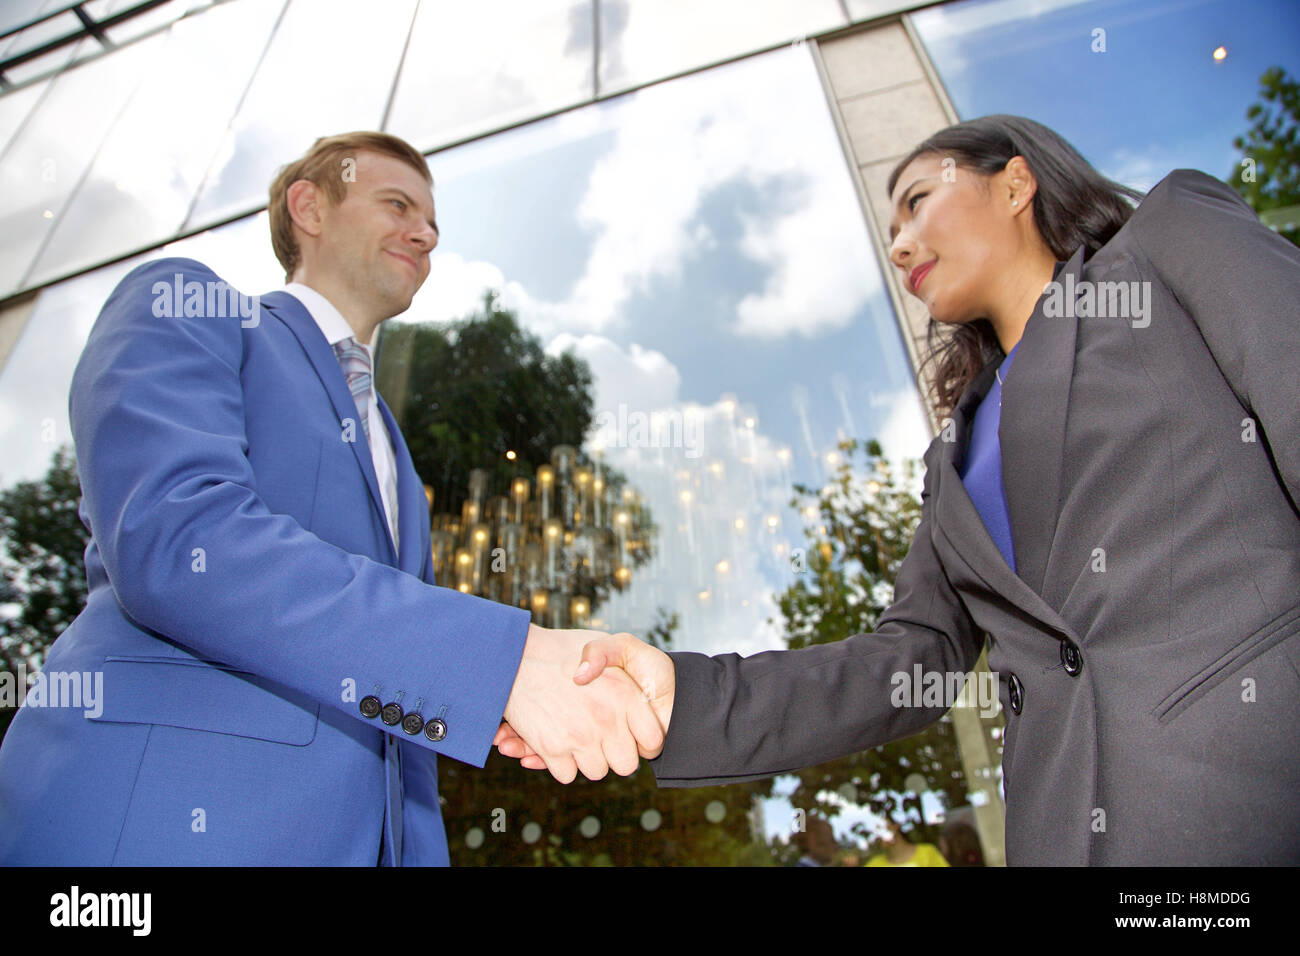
(15,108)
(43,165)
(869,9)
(150,167)
(315,80)
(18,12)
(640,42)
(699,244)
(38,373)
(42,33)
(472,67)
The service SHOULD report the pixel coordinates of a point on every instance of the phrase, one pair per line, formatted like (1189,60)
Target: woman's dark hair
(1074,206)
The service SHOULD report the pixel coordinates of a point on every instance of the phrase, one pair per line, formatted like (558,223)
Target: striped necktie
(354,359)
(355,362)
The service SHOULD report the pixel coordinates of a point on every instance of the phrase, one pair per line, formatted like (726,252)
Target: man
(278,669)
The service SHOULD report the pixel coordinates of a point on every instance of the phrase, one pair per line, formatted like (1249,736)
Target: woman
(1111,505)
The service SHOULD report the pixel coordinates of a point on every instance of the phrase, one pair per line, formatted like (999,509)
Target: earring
(1015,202)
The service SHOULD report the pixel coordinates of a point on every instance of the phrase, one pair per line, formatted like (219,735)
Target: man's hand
(607,657)
(568,725)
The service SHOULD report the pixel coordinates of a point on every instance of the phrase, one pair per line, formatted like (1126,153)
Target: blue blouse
(981,471)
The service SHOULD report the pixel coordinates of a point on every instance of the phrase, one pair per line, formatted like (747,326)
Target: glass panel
(146,174)
(152,19)
(473,67)
(14,109)
(640,42)
(17,12)
(51,29)
(699,244)
(869,9)
(685,233)
(316,80)
(1149,99)
(44,165)
(34,381)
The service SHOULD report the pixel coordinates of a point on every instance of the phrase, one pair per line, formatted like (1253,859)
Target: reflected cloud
(675,148)
(639,378)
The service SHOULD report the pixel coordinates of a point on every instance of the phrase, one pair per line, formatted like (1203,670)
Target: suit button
(391,714)
(412,724)
(1071,658)
(435,729)
(1016,692)
(370,706)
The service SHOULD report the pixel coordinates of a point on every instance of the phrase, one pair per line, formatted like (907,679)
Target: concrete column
(886,98)
(13,319)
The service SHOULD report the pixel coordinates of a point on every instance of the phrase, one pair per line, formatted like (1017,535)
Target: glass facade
(705,308)
(664,191)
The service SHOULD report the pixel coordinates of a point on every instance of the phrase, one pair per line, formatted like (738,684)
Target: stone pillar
(886,98)
(13,319)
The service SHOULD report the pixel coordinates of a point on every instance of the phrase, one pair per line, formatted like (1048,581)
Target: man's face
(377,241)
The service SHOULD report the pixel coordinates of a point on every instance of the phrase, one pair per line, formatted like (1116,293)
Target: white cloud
(639,378)
(810,288)
(674,146)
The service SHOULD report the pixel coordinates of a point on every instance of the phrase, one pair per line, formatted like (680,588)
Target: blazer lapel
(412,504)
(1031,433)
(292,313)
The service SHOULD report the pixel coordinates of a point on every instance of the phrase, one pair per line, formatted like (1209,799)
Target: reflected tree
(467,392)
(858,530)
(42,566)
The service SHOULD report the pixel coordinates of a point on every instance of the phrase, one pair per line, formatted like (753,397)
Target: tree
(42,566)
(467,392)
(1268,176)
(859,529)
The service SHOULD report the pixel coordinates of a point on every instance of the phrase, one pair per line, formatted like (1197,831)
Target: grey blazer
(1147,653)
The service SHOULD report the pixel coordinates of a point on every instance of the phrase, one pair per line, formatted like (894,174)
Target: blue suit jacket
(245,596)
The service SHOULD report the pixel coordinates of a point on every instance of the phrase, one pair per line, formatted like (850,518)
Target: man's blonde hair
(324,165)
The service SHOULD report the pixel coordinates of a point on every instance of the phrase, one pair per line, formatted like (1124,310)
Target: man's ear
(306,201)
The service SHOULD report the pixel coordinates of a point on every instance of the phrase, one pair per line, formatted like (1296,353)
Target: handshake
(587,701)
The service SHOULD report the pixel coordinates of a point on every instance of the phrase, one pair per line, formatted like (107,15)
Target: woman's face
(953,236)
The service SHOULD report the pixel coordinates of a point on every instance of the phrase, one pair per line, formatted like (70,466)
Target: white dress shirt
(335,329)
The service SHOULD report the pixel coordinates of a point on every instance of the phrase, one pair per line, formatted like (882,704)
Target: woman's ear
(1018,185)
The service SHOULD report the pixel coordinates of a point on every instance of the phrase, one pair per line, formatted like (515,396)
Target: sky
(1155,100)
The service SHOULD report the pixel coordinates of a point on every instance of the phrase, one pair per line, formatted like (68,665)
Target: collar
(330,320)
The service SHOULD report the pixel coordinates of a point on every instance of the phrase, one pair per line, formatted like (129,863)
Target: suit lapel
(1035,394)
(1031,433)
(292,313)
